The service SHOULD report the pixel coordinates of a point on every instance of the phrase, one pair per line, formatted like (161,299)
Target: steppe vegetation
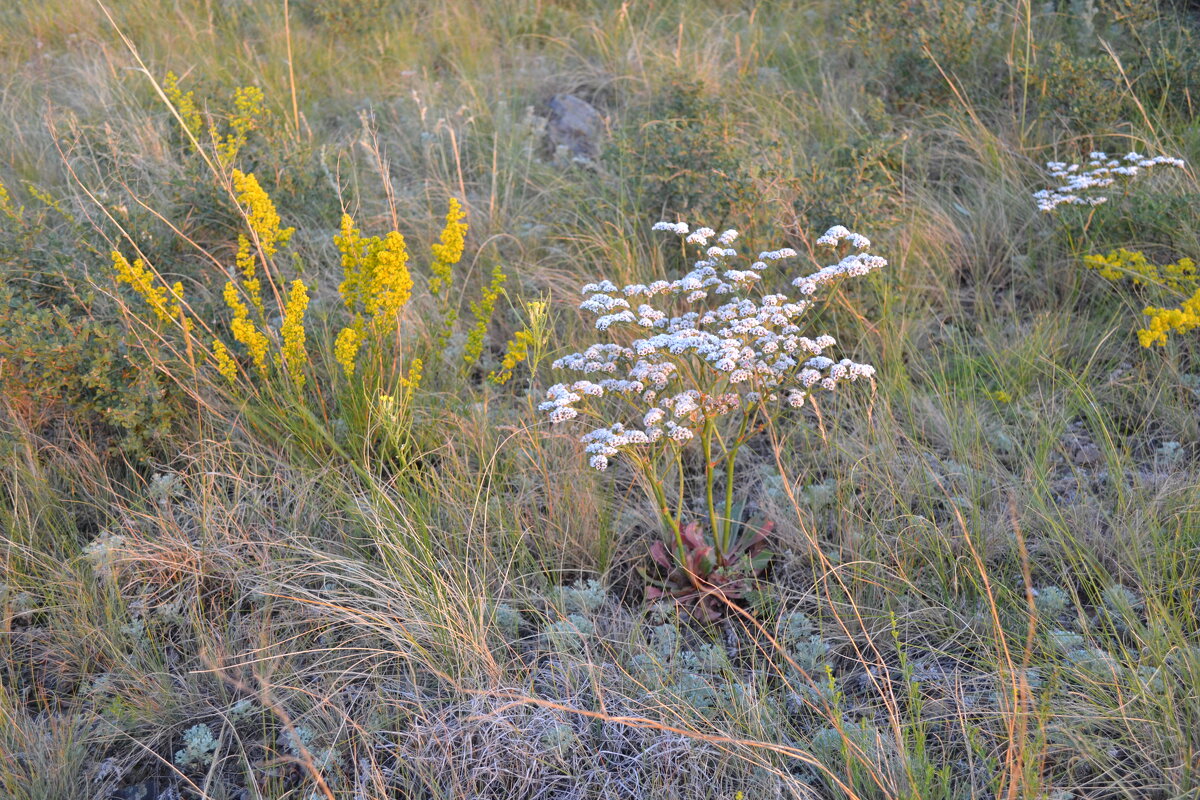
(297,499)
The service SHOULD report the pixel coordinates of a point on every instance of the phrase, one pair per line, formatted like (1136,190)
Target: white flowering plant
(709,359)
(1082,183)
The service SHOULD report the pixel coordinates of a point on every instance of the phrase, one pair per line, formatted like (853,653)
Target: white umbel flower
(1080,183)
(732,349)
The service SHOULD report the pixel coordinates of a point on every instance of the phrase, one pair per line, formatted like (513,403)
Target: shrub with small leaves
(1121,606)
(1095,663)
(199,748)
(507,620)
(1065,641)
(584,597)
(1051,602)
(559,738)
(568,635)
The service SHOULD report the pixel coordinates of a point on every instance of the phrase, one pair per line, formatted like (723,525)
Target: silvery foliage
(199,747)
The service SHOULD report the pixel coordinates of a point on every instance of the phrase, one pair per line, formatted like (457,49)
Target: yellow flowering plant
(292,356)
(185,105)
(447,252)
(1163,321)
(248,322)
(165,301)
(377,284)
(1179,277)
(269,334)
(228,132)
(482,310)
(1132,265)
(527,344)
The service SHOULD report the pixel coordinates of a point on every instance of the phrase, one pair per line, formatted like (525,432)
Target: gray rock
(575,125)
(1088,455)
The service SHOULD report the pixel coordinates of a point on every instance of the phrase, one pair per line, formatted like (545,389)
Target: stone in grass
(149,789)
(576,126)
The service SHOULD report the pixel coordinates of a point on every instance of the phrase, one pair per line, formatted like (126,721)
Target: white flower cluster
(703,360)
(1100,172)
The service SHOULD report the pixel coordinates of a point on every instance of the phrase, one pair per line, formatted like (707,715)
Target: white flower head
(1080,182)
(677,228)
(733,349)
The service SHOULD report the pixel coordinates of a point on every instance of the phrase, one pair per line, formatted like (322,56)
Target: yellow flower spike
(390,282)
(7,207)
(345,348)
(175,306)
(248,102)
(260,213)
(1178,276)
(482,311)
(294,356)
(1181,274)
(224,361)
(354,251)
(244,332)
(1123,264)
(142,281)
(185,104)
(248,111)
(247,264)
(516,351)
(412,381)
(448,251)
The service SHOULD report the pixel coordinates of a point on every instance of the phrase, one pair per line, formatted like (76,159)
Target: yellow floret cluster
(226,365)
(482,311)
(375,276)
(185,104)
(515,352)
(376,281)
(247,264)
(261,216)
(345,348)
(390,283)
(412,381)
(376,286)
(166,302)
(294,358)
(1133,265)
(9,209)
(244,330)
(449,249)
(248,323)
(247,115)
(1178,276)
(249,110)
(1164,321)
(263,221)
